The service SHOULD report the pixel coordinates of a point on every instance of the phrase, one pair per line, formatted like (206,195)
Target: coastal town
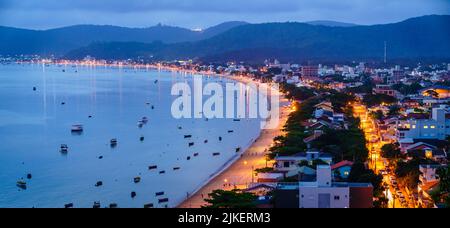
(355,135)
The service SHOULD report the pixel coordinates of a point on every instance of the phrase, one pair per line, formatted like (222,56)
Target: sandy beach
(240,174)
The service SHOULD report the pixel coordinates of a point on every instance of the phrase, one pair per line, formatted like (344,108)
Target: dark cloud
(203,13)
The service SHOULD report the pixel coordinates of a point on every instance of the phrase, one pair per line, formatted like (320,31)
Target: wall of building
(361,197)
(312,197)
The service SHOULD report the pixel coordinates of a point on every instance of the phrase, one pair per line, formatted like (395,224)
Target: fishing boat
(98,184)
(152,167)
(188,136)
(113,205)
(196,155)
(137,180)
(96,204)
(176,168)
(69,205)
(144,120)
(142,138)
(236,120)
(216,154)
(191,144)
(165,200)
(64,149)
(21,184)
(159,194)
(230,131)
(150,205)
(77,128)
(133,195)
(113,142)
(238,150)
(162,172)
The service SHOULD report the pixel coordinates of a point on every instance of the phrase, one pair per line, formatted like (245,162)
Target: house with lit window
(436,127)
(341,170)
(290,165)
(322,192)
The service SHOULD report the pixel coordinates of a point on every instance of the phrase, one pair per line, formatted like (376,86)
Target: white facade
(438,127)
(428,173)
(322,193)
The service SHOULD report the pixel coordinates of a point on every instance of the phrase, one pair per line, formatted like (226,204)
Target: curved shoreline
(238,171)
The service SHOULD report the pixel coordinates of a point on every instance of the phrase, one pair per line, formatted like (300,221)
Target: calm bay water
(33,125)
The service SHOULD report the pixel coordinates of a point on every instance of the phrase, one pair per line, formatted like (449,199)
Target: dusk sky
(43,14)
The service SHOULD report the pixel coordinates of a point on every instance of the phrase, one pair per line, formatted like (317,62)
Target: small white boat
(77,128)
(113,142)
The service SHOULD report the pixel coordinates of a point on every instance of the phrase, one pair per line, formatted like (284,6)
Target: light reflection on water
(33,124)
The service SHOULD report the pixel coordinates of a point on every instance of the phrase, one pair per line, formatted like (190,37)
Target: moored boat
(77,128)
(64,149)
(21,184)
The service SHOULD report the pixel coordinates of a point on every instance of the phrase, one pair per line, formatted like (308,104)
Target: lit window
(433,127)
(425,127)
(414,126)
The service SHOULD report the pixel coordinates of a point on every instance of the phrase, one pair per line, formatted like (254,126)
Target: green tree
(230,199)
(394,110)
(391,151)
(444,177)
(372,100)
(378,115)
(408,172)
(360,174)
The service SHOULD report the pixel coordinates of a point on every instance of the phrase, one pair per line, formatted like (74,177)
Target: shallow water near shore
(33,125)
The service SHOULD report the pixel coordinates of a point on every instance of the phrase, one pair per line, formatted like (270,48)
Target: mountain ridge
(422,37)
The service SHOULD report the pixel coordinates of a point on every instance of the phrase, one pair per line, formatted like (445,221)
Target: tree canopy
(230,199)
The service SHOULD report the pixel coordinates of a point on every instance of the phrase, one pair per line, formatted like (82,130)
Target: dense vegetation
(301,42)
(371,100)
(230,199)
(408,89)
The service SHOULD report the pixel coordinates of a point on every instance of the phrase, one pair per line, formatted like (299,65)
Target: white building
(323,193)
(428,173)
(290,164)
(437,127)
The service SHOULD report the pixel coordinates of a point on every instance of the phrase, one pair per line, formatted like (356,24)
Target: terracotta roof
(341,164)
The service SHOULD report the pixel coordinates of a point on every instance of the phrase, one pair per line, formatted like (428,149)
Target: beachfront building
(290,165)
(323,192)
(436,127)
